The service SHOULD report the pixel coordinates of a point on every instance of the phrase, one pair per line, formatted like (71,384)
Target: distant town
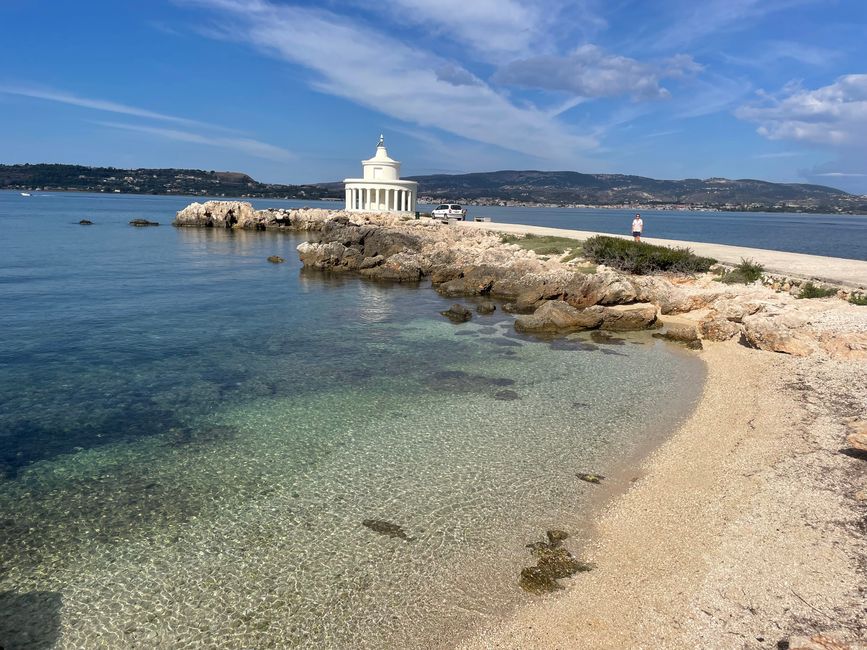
(502,188)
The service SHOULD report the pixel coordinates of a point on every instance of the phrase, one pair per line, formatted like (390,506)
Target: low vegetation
(810,290)
(542,244)
(642,259)
(747,272)
(858,299)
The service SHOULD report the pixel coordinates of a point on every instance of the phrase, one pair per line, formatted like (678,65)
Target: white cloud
(691,22)
(491,27)
(457,76)
(591,72)
(355,61)
(97,104)
(244,145)
(833,115)
(841,175)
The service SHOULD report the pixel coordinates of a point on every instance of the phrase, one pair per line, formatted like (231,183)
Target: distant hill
(573,188)
(52,177)
(482,188)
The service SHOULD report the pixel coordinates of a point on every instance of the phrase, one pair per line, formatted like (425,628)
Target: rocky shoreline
(550,295)
(747,526)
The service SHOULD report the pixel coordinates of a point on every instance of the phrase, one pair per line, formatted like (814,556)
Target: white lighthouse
(380,189)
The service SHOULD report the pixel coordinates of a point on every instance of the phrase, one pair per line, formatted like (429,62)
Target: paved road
(849,273)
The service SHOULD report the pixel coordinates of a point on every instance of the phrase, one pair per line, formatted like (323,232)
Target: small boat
(25,193)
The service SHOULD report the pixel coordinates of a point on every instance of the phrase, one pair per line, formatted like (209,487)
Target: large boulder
(778,334)
(603,288)
(557,316)
(322,256)
(218,214)
(719,329)
(622,318)
(401,267)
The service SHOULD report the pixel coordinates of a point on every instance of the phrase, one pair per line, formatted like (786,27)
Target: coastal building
(380,188)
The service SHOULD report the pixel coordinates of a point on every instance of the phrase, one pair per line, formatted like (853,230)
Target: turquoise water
(191,438)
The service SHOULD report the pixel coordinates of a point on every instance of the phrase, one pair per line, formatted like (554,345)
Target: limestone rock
(276,259)
(400,267)
(719,329)
(824,641)
(846,345)
(370,262)
(681,332)
(217,214)
(773,334)
(557,316)
(628,317)
(486,307)
(857,441)
(143,223)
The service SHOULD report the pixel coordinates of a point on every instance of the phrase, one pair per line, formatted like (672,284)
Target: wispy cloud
(589,71)
(355,60)
(842,174)
(772,52)
(778,154)
(108,106)
(833,115)
(244,145)
(692,22)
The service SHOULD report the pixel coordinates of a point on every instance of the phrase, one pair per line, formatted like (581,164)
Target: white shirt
(637,224)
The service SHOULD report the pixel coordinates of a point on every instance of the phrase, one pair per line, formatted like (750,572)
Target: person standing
(637,227)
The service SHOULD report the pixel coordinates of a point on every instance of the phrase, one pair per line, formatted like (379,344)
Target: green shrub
(810,290)
(858,299)
(747,272)
(542,244)
(641,258)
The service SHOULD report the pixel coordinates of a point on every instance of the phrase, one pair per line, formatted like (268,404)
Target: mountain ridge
(576,188)
(503,187)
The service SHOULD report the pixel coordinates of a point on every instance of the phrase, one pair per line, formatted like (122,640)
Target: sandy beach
(740,531)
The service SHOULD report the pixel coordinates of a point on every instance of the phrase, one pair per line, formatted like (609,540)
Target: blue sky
(299,91)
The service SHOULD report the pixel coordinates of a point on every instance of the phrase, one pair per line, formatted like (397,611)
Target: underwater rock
(486,308)
(572,344)
(143,222)
(506,395)
(85,222)
(537,581)
(387,528)
(457,313)
(604,338)
(556,537)
(276,259)
(554,561)
(591,477)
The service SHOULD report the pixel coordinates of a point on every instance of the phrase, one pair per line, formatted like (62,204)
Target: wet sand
(741,531)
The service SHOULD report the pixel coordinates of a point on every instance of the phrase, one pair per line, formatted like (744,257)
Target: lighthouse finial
(381,142)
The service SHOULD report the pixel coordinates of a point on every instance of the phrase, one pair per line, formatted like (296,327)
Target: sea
(199,448)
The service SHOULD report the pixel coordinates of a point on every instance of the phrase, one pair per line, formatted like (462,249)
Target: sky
(297,92)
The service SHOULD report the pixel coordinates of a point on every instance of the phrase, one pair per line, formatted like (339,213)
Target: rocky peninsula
(746,528)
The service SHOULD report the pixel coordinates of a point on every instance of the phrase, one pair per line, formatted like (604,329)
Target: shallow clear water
(191,438)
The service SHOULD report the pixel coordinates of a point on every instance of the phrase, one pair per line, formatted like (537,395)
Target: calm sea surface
(191,438)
